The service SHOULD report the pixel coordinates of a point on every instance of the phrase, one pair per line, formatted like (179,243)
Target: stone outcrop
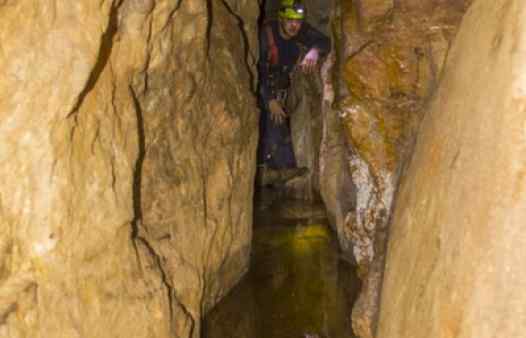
(389,58)
(456,252)
(127,148)
(306,131)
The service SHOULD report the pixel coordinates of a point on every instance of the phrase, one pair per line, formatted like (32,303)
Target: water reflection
(297,286)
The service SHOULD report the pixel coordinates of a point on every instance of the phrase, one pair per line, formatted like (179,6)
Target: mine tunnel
(131,203)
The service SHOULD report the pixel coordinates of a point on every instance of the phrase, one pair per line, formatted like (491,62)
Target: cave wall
(199,162)
(455,257)
(388,59)
(127,142)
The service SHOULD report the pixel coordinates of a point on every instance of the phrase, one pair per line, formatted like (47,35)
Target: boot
(269,176)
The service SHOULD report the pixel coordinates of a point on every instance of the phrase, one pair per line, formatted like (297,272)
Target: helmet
(292,9)
(287,3)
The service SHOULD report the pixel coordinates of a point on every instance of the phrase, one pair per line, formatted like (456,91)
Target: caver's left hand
(308,65)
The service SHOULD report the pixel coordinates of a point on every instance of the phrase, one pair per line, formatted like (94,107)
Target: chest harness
(278,75)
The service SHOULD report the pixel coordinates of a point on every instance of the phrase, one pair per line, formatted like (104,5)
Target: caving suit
(278,58)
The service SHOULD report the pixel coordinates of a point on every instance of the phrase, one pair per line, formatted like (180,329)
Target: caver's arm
(311,38)
(266,92)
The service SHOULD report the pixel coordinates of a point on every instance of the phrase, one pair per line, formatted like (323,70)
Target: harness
(278,75)
(273,55)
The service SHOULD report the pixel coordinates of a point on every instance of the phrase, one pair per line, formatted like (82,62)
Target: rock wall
(127,137)
(454,266)
(199,159)
(388,59)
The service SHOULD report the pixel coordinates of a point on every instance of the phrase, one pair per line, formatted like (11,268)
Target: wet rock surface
(389,60)
(393,56)
(125,126)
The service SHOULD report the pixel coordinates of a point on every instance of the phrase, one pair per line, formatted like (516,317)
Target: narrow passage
(297,285)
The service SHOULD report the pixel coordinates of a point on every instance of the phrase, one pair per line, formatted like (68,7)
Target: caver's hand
(277,114)
(308,65)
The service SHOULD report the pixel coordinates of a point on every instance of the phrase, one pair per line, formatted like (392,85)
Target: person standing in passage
(285,44)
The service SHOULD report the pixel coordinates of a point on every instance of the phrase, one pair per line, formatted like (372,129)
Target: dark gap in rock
(137,178)
(286,290)
(210,22)
(103,57)
(242,29)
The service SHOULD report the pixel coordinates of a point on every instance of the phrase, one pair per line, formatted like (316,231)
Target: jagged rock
(306,127)
(389,64)
(373,12)
(125,126)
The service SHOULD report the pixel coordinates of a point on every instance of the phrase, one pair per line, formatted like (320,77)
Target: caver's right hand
(277,114)
(310,61)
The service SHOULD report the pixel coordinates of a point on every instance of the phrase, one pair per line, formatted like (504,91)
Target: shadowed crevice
(137,206)
(105,50)
(246,44)
(210,22)
(137,178)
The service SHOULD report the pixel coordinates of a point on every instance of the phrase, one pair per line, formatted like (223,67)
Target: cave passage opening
(298,284)
(288,157)
(353,125)
(383,79)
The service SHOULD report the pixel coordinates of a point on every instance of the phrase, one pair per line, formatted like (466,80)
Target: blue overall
(275,143)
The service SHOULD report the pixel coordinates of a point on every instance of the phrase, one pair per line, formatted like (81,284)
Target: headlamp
(299,8)
(294,11)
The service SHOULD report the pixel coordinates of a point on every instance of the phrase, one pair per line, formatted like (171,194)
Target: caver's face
(290,27)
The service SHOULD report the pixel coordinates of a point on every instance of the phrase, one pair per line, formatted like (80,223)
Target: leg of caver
(283,153)
(265,140)
(273,177)
(279,165)
(275,148)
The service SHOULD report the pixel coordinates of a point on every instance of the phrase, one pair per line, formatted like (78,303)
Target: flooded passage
(297,286)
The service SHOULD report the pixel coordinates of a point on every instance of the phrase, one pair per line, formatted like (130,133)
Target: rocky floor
(297,285)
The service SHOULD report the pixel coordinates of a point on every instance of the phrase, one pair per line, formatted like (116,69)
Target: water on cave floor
(297,285)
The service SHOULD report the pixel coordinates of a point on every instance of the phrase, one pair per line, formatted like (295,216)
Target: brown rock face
(199,159)
(390,57)
(128,134)
(456,252)
(391,63)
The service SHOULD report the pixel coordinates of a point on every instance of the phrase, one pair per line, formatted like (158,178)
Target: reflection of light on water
(296,287)
(305,240)
(315,230)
